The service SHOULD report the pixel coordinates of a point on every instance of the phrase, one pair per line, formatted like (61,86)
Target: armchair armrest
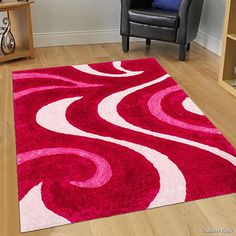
(190,15)
(126,5)
(124,21)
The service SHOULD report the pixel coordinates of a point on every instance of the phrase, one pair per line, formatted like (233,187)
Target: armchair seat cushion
(155,17)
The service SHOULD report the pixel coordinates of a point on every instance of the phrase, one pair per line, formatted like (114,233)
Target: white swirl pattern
(87,69)
(107,110)
(191,107)
(172,181)
(34,214)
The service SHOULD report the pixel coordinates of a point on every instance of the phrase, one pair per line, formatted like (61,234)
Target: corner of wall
(209,42)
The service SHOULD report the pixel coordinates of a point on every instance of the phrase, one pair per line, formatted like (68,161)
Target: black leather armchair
(139,19)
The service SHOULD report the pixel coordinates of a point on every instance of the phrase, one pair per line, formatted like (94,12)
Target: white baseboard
(107,36)
(209,42)
(76,37)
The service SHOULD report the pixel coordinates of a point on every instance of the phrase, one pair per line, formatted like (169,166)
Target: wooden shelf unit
(228,62)
(21,27)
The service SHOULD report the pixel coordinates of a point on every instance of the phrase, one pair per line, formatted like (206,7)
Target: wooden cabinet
(228,62)
(21,28)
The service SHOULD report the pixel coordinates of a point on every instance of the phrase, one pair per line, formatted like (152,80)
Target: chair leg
(182,52)
(188,46)
(125,43)
(148,42)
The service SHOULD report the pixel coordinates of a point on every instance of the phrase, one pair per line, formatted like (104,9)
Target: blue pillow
(171,5)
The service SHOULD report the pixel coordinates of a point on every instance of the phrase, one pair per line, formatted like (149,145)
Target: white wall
(58,22)
(212,25)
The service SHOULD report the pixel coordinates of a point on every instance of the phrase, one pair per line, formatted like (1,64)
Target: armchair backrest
(141,3)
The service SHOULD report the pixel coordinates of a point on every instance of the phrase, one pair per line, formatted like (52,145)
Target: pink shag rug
(104,139)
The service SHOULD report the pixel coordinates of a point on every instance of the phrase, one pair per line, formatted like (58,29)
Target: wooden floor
(198,76)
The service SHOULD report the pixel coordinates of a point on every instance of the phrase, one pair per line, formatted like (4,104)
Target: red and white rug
(104,139)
